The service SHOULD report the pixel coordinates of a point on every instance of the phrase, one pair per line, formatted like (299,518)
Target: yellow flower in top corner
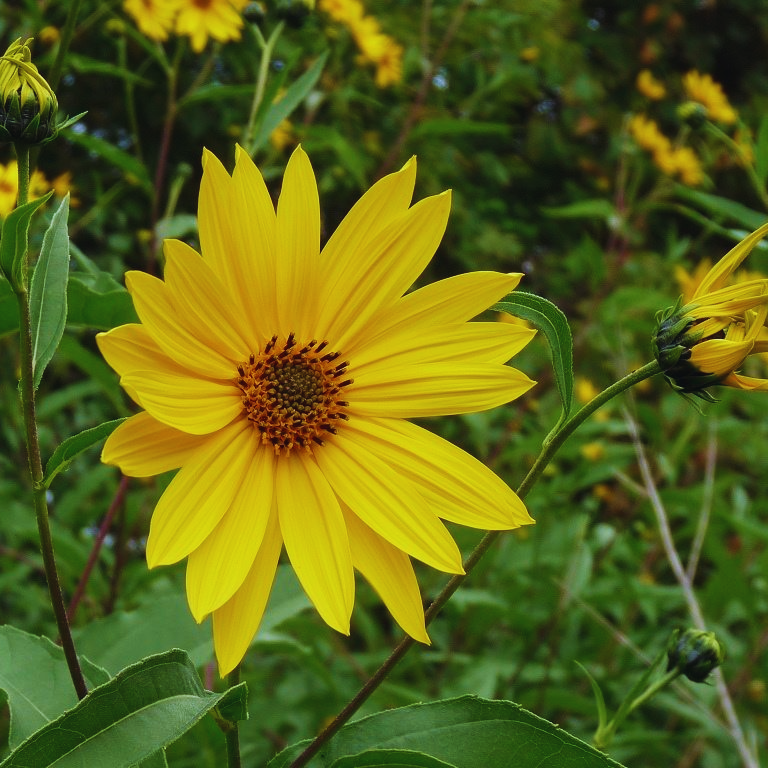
(703,341)
(278,378)
(201,19)
(705,91)
(649,86)
(153,17)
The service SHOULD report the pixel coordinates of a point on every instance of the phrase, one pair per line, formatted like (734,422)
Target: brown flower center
(294,395)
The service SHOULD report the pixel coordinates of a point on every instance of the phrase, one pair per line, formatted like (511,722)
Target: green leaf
(469,732)
(602,712)
(291,99)
(9,309)
(141,710)
(761,151)
(584,209)
(392,758)
(443,127)
(48,291)
(99,301)
(722,208)
(34,675)
(15,240)
(87,65)
(132,168)
(550,320)
(66,452)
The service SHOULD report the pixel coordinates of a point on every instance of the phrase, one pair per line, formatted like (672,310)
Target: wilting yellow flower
(705,91)
(154,18)
(649,86)
(703,341)
(278,377)
(28,106)
(201,19)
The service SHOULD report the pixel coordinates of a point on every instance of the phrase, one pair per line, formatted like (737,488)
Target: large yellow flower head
(704,340)
(277,378)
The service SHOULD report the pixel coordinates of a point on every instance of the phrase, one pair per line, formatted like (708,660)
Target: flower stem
(233,735)
(546,455)
(33,453)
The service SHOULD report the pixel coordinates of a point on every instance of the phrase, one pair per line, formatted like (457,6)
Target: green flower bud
(28,106)
(692,113)
(694,653)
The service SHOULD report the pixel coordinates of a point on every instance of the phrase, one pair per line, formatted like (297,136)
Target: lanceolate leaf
(48,291)
(15,239)
(141,710)
(469,732)
(545,316)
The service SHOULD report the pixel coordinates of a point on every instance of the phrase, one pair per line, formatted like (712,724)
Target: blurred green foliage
(521,108)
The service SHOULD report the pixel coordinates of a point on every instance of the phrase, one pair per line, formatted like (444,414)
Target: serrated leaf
(48,291)
(72,447)
(140,711)
(34,676)
(468,731)
(391,758)
(550,320)
(15,239)
(290,100)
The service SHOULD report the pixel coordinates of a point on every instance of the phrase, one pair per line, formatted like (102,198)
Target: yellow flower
(153,17)
(28,106)
(647,134)
(278,377)
(201,19)
(705,91)
(685,162)
(344,11)
(282,135)
(703,341)
(530,53)
(649,86)
(9,186)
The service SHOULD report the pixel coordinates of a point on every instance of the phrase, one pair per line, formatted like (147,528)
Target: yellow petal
(398,256)
(390,573)
(454,485)
(434,389)
(719,356)
(298,248)
(235,624)
(142,447)
(253,260)
(130,348)
(717,276)
(479,342)
(199,495)
(209,309)
(316,538)
(386,503)
(748,383)
(166,326)
(350,249)
(190,404)
(217,568)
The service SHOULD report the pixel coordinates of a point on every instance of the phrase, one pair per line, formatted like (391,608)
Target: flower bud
(692,113)
(28,106)
(694,653)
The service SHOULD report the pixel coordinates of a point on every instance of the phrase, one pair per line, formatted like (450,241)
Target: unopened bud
(694,653)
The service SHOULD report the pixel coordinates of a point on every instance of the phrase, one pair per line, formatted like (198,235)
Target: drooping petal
(316,538)
(235,624)
(392,508)
(209,309)
(749,383)
(454,485)
(298,248)
(479,342)
(199,495)
(720,356)
(389,571)
(350,248)
(166,327)
(434,389)
(217,568)
(399,256)
(142,447)
(187,403)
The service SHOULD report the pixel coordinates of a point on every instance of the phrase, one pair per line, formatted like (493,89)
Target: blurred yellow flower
(647,134)
(649,86)
(674,161)
(346,12)
(530,54)
(201,19)
(684,162)
(282,136)
(278,378)
(153,17)
(592,451)
(703,341)
(9,186)
(705,91)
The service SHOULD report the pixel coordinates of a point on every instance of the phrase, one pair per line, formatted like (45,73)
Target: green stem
(66,38)
(546,455)
(233,735)
(33,454)
(261,82)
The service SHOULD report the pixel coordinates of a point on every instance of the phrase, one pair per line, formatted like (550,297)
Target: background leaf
(15,237)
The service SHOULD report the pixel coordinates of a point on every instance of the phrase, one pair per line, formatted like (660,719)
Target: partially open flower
(28,106)
(706,340)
